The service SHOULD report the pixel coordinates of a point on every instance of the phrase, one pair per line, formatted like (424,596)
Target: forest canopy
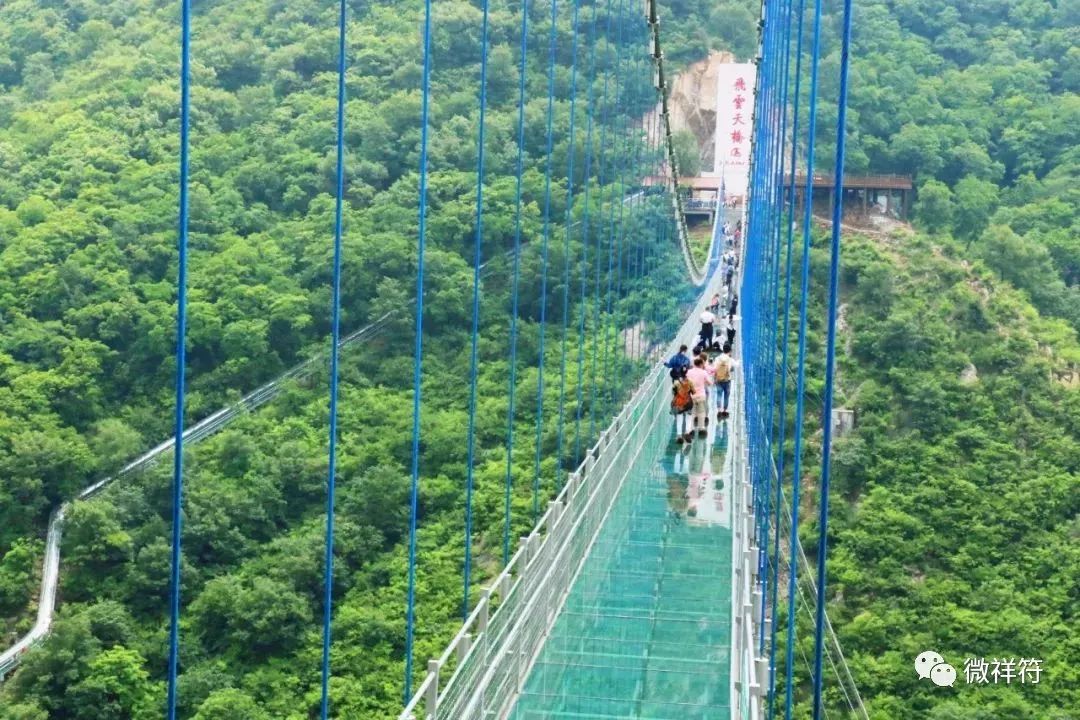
(956,496)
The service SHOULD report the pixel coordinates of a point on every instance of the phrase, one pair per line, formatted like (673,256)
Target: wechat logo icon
(931,665)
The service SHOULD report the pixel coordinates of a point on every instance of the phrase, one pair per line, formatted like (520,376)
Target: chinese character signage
(734,116)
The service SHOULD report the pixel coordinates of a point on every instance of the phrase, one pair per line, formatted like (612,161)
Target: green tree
(116,687)
(975,203)
(687,153)
(934,209)
(17,575)
(249,618)
(95,545)
(230,704)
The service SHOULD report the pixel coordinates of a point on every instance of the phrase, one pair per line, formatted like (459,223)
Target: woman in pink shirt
(701,381)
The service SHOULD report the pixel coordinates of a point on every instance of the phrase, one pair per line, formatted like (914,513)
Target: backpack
(723,369)
(684,396)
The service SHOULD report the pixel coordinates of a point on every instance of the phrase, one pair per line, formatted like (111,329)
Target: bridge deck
(646,629)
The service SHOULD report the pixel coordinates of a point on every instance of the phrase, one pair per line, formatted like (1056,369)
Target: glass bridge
(634,596)
(645,631)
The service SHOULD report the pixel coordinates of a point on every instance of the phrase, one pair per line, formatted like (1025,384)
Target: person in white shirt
(707,319)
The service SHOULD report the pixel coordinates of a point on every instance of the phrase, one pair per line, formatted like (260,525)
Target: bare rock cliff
(693,104)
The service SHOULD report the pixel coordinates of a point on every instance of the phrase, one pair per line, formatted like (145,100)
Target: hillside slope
(956,500)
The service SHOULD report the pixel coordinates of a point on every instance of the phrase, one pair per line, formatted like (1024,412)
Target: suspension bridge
(659,580)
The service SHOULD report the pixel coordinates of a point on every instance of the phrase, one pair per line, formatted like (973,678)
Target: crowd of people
(701,381)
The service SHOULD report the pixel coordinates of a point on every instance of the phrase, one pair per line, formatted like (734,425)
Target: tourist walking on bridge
(722,367)
(707,330)
(678,364)
(682,402)
(701,382)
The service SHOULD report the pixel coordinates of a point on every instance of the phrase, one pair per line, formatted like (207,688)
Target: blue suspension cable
(181,355)
(335,342)
(611,375)
(589,112)
(418,350)
(800,383)
(776,201)
(566,255)
(512,390)
(786,345)
(830,359)
(473,359)
(761,290)
(766,327)
(632,148)
(544,263)
(601,177)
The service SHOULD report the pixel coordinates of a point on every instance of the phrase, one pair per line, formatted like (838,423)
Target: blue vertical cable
(632,148)
(750,303)
(473,364)
(764,205)
(566,255)
(335,341)
(418,350)
(544,265)
(590,111)
(605,120)
(776,200)
(830,360)
(612,376)
(766,326)
(512,390)
(786,344)
(181,355)
(800,383)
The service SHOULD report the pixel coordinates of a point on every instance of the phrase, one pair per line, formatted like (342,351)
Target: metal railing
(881,181)
(10,658)
(485,666)
(50,571)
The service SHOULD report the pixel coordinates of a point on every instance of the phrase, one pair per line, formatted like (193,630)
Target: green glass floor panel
(645,630)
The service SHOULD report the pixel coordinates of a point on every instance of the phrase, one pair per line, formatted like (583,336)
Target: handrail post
(431,701)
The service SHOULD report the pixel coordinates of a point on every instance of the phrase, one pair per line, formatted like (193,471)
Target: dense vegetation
(956,503)
(87,298)
(979,101)
(955,512)
(954,521)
